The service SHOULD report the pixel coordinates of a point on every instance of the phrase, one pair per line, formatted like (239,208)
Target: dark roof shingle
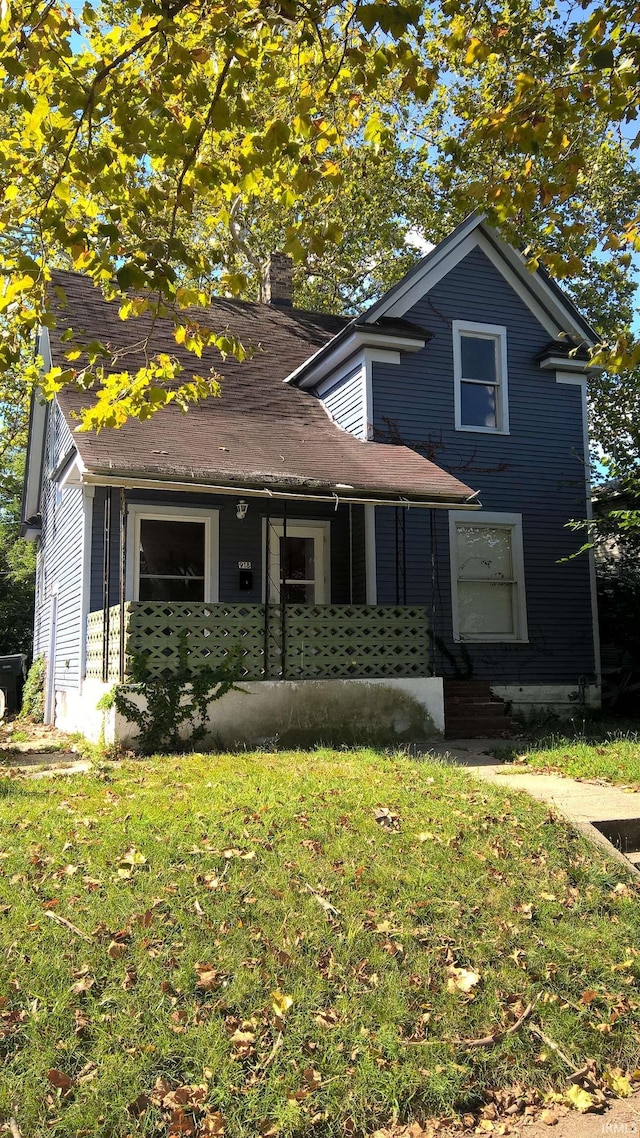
(261,432)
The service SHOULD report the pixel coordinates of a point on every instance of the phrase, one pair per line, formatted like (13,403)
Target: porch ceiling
(260,434)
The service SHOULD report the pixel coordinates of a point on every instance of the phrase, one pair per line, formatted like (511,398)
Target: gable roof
(260,434)
(387,316)
(541,292)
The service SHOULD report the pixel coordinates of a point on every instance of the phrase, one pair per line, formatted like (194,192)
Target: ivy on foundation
(169,703)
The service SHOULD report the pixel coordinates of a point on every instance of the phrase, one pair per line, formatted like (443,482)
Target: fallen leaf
(461,979)
(617,1082)
(209,978)
(59,1079)
(387,818)
(549,1117)
(281,1003)
(130,860)
(116,950)
(580,1099)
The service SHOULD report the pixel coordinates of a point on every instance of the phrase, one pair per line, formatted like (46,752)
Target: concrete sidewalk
(582,803)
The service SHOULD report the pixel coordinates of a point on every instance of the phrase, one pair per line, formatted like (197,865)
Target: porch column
(370,555)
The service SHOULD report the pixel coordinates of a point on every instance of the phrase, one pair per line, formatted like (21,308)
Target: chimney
(277,280)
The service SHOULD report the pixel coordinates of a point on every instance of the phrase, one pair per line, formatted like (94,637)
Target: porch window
(171,555)
(480,376)
(172,560)
(488,578)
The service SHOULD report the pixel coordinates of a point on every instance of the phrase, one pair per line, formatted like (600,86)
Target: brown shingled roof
(260,433)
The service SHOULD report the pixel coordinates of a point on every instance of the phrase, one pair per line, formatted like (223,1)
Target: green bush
(33,694)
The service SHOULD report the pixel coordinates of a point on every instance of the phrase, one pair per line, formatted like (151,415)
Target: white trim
(326,361)
(320,531)
(558,363)
(490,518)
(487,331)
(371,587)
(35,456)
(548,308)
(88,494)
(441,262)
(210,518)
(572,380)
(534,281)
(513,273)
(581,382)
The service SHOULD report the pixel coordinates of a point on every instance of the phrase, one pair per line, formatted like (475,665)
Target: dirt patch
(21,737)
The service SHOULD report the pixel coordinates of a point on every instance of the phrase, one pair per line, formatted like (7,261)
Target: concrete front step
(477,728)
(476,701)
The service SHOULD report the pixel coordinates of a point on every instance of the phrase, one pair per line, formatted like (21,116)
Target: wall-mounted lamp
(241,510)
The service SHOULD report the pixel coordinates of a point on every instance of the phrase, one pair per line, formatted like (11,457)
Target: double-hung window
(480,376)
(487,577)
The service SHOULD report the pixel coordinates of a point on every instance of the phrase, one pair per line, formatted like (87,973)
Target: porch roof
(261,434)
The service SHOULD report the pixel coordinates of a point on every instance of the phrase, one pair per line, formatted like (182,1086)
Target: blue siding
(344,401)
(537,470)
(239,541)
(60,560)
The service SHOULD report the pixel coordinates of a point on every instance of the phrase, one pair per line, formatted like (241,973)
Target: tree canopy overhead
(162,148)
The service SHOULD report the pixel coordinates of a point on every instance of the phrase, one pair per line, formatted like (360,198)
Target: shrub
(33,694)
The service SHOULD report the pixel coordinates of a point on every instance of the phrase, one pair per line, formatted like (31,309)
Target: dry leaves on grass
(387,818)
(184,1109)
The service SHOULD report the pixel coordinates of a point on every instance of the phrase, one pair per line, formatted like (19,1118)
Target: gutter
(336,496)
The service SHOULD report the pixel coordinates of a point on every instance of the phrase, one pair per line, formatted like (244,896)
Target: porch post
(370,554)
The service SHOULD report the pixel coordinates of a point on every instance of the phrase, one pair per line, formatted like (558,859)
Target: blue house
(372,516)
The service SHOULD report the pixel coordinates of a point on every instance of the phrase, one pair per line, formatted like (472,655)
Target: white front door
(298,563)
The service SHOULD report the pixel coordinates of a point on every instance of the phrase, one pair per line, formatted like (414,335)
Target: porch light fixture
(241,510)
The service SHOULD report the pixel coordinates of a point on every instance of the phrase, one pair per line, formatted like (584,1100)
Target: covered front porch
(284,591)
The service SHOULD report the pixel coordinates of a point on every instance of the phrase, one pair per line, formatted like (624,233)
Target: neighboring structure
(371,506)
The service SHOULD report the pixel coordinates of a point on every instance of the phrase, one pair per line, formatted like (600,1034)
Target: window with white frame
(480,375)
(487,577)
(172,554)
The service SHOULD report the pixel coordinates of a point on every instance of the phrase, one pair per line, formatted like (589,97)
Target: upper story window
(480,374)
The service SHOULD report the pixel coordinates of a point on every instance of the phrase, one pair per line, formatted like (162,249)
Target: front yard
(613,757)
(277,944)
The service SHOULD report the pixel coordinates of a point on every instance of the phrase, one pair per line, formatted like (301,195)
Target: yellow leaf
(579,1099)
(281,1003)
(616,1081)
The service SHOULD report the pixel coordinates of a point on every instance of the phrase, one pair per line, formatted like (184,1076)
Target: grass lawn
(309,937)
(615,758)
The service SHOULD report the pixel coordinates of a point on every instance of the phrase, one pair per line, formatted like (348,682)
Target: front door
(298,568)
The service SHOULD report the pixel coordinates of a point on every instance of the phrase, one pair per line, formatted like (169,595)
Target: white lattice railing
(272,641)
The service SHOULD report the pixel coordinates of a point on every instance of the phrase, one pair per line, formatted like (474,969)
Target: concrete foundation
(287,713)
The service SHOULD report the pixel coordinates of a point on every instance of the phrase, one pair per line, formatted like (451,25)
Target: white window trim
(276,525)
(490,331)
(210,518)
(514,522)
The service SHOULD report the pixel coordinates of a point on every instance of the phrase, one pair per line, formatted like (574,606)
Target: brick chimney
(277,280)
